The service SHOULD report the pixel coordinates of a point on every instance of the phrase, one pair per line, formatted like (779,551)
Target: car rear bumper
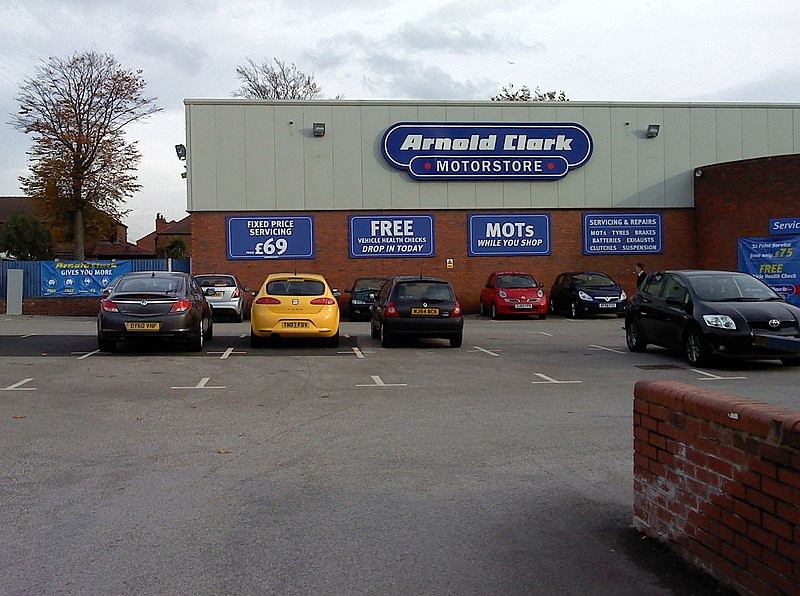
(424,327)
(112,326)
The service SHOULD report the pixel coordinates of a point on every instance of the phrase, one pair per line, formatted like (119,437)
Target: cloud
(397,78)
(455,39)
(779,86)
(187,57)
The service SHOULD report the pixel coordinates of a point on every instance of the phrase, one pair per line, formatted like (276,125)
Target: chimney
(160,222)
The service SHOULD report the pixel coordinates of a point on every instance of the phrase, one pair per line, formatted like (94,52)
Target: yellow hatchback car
(299,305)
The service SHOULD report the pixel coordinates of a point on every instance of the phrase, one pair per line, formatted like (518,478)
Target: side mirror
(246,289)
(209,292)
(254,293)
(349,291)
(336,293)
(372,295)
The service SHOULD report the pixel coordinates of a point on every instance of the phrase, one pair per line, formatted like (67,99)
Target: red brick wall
(80,307)
(717,477)
(331,230)
(737,199)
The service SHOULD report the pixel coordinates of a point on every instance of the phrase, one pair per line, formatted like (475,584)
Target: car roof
(316,276)
(155,274)
(696,272)
(405,278)
(513,273)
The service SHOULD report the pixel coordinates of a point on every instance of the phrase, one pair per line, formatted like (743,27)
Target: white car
(229,298)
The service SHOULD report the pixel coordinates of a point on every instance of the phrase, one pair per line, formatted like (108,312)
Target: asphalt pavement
(502,467)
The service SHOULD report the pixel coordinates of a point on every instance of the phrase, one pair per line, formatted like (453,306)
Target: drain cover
(659,367)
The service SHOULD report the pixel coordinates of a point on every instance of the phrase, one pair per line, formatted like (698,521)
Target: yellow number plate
(295,324)
(424,311)
(142,326)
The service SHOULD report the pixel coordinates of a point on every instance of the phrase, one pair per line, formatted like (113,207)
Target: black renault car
(155,305)
(708,313)
(417,306)
(579,293)
(362,295)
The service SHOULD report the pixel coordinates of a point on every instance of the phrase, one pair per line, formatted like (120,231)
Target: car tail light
(181,305)
(267,300)
(236,293)
(456,310)
(108,306)
(391,311)
(326,301)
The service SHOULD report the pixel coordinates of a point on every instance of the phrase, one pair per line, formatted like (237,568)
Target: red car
(513,293)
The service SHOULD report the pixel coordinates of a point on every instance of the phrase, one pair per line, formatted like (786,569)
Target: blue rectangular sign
(623,233)
(775,261)
(391,236)
(504,234)
(273,237)
(786,225)
(80,278)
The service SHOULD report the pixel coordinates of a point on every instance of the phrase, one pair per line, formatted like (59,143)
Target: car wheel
(196,343)
(333,342)
(238,317)
(106,345)
(386,337)
(256,341)
(696,348)
(482,309)
(552,306)
(374,332)
(633,337)
(573,309)
(543,316)
(210,332)
(790,361)
(457,340)
(494,311)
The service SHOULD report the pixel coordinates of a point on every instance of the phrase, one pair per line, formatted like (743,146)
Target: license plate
(295,324)
(523,306)
(424,311)
(136,326)
(607,305)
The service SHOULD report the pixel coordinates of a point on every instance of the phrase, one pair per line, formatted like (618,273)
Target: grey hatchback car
(229,296)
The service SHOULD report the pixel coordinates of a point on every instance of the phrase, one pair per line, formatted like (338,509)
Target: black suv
(417,306)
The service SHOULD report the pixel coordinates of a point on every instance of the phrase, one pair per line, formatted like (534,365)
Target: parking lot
(501,467)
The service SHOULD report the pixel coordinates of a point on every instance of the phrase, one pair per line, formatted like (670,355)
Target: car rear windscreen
(294,287)
(220,281)
(424,290)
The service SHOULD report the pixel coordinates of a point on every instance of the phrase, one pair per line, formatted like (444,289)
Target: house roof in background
(11,205)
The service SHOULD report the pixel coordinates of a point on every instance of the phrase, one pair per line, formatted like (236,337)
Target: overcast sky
(632,50)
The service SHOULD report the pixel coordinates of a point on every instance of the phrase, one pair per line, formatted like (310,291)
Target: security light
(181,151)
(652,130)
(319,129)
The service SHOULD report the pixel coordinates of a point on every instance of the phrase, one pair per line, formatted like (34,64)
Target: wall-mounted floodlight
(652,130)
(181,151)
(318,128)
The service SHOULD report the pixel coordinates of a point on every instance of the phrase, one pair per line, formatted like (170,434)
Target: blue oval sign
(486,151)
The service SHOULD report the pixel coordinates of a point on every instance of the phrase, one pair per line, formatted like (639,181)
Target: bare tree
(275,81)
(524,94)
(76,109)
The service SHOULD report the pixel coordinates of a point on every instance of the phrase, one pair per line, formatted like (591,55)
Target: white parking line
(200,385)
(17,386)
(541,333)
(712,377)
(86,354)
(550,380)
(607,349)
(380,383)
(485,351)
(29,335)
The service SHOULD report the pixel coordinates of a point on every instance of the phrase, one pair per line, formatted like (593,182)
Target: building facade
(460,189)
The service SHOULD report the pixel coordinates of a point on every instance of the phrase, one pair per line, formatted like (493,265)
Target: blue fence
(32,272)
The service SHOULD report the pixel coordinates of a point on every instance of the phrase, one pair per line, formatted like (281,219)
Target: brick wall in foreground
(79,307)
(717,478)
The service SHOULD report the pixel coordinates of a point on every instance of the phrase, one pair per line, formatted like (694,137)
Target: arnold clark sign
(486,151)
